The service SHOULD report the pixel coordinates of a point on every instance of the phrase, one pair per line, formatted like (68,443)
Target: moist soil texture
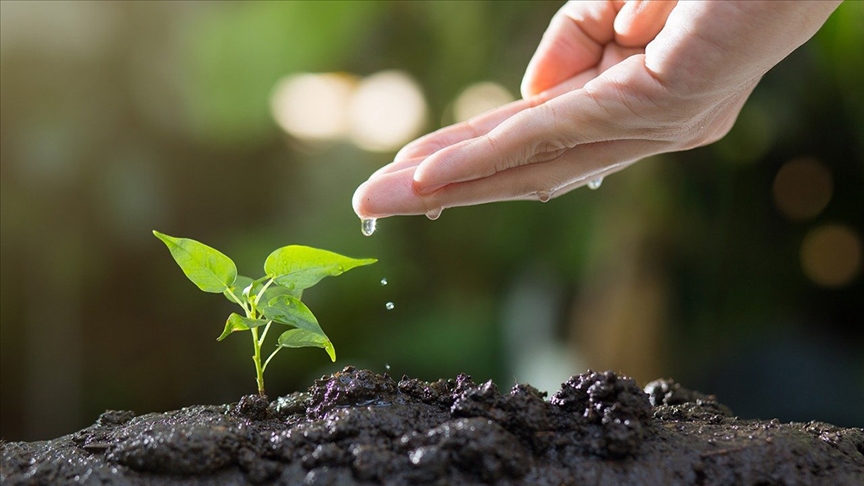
(356,427)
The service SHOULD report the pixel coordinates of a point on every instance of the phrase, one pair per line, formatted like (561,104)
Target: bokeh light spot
(831,255)
(387,110)
(313,107)
(479,98)
(802,188)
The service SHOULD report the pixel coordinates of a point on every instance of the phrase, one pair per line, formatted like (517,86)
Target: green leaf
(287,309)
(300,267)
(302,338)
(206,267)
(236,322)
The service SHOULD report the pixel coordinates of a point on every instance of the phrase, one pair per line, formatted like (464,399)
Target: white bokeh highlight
(479,98)
(387,111)
(313,107)
(379,113)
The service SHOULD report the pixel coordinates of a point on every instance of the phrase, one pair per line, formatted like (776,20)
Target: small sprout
(271,299)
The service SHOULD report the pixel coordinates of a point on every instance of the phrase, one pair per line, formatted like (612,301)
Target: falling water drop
(595,183)
(367,226)
(544,196)
(389,305)
(387,366)
(383,282)
(434,214)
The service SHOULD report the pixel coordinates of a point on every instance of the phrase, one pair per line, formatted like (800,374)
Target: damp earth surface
(356,427)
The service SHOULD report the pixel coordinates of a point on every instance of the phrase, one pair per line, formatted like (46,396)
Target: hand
(610,83)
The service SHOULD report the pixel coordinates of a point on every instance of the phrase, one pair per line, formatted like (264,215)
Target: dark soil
(356,428)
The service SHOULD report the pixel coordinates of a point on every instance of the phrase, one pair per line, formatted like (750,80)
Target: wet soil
(359,428)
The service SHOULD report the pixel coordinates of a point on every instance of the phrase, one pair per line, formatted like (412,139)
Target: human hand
(610,83)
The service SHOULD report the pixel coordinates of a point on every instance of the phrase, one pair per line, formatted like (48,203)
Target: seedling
(271,299)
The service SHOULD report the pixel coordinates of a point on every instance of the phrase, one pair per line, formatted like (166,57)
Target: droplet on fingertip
(434,214)
(595,183)
(544,196)
(367,226)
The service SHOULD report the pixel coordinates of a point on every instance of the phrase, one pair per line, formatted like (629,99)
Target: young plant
(271,299)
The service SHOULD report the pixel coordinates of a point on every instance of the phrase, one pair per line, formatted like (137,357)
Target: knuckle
(474,127)
(547,151)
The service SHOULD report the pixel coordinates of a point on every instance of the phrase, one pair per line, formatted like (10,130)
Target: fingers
(415,152)
(575,39)
(398,165)
(479,125)
(549,148)
(544,181)
(545,132)
(572,43)
(537,134)
(639,21)
(393,194)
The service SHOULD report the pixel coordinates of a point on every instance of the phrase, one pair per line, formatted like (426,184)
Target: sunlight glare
(313,107)
(480,98)
(387,110)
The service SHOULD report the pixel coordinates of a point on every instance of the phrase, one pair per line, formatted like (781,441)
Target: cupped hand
(610,83)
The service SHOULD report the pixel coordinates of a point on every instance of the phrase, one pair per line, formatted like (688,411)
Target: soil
(356,427)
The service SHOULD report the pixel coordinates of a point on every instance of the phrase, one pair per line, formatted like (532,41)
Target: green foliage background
(121,117)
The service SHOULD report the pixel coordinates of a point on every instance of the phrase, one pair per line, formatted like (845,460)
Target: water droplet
(367,226)
(595,183)
(389,305)
(544,196)
(434,213)
(383,282)
(387,366)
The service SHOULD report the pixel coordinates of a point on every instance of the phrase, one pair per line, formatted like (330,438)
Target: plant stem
(261,292)
(264,334)
(270,357)
(259,370)
(251,313)
(239,302)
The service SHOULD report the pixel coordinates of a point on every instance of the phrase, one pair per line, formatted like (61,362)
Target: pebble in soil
(356,427)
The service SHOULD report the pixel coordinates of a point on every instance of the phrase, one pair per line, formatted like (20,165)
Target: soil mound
(356,427)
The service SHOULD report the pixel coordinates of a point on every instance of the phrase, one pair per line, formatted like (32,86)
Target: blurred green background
(734,268)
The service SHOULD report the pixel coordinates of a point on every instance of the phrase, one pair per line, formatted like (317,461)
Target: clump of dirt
(356,427)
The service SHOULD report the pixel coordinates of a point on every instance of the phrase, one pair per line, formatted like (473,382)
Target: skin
(611,83)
